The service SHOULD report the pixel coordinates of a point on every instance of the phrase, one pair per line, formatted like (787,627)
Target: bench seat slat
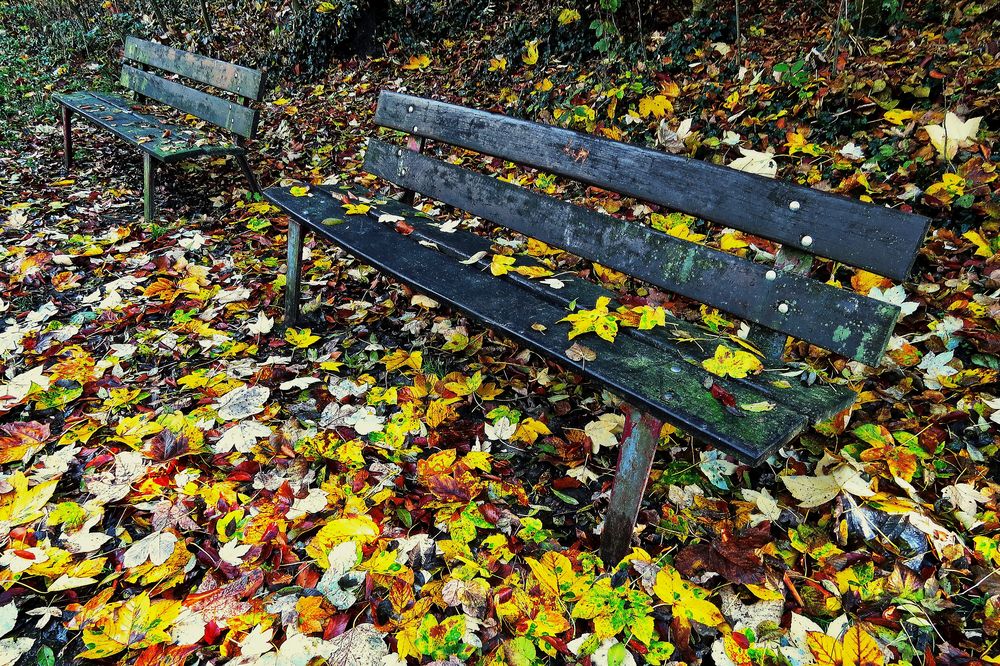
(167,142)
(817,402)
(837,319)
(229,115)
(219,74)
(629,366)
(878,239)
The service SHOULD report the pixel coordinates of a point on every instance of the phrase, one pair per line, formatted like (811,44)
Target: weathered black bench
(162,141)
(658,371)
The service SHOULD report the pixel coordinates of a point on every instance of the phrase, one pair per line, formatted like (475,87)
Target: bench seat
(660,373)
(658,370)
(165,141)
(156,73)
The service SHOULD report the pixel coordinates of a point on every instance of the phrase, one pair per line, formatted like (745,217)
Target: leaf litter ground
(184,482)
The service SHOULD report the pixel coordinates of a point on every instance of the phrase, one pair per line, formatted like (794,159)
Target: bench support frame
(248,172)
(635,460)
(67,128)
(293,273)
(148,187)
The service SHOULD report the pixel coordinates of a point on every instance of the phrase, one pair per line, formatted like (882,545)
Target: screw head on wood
(807,241)
(771,275)
(783,308)
(794,205)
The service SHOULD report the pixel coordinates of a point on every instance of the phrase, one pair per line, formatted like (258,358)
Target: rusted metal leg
(148,187)
(245,166)
(67,117)
(642,432)
(293,276)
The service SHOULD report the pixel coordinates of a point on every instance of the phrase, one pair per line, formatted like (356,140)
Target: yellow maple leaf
(983,248)
(554,573)
(438,412)
(657,106)
(537,248)
(568,16)
(864,281)
(599,321)
(22,505)
(300,338)
(131,430)
(533,271)
(498,64)
(684,232)
(950,186)
(530,56)
(898,116)
(422,61)
(732,241)
(529,430)
(299,190)
(856,648)
(687,599)
(360,529)
(402,358)
(732,363)
(357,209)
(133,624)
(501,265)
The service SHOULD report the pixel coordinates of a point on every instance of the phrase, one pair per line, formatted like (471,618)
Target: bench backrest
(881,240)
(246,84)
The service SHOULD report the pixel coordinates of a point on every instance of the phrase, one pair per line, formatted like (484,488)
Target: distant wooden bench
(162,141)
(659,371)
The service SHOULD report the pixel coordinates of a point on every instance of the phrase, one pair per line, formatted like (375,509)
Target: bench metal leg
(148,187)
(293,276)
(635,460)
(245,166)
(67,117)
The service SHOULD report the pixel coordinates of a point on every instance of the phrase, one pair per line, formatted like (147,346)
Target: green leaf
(616,655)
(520,652)
(45,656)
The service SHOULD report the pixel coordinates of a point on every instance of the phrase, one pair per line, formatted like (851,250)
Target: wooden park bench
(658,372)
(158,139)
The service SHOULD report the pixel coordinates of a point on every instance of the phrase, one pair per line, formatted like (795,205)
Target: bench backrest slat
(875,238)
(242,81)
(234,117)
(735,285)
